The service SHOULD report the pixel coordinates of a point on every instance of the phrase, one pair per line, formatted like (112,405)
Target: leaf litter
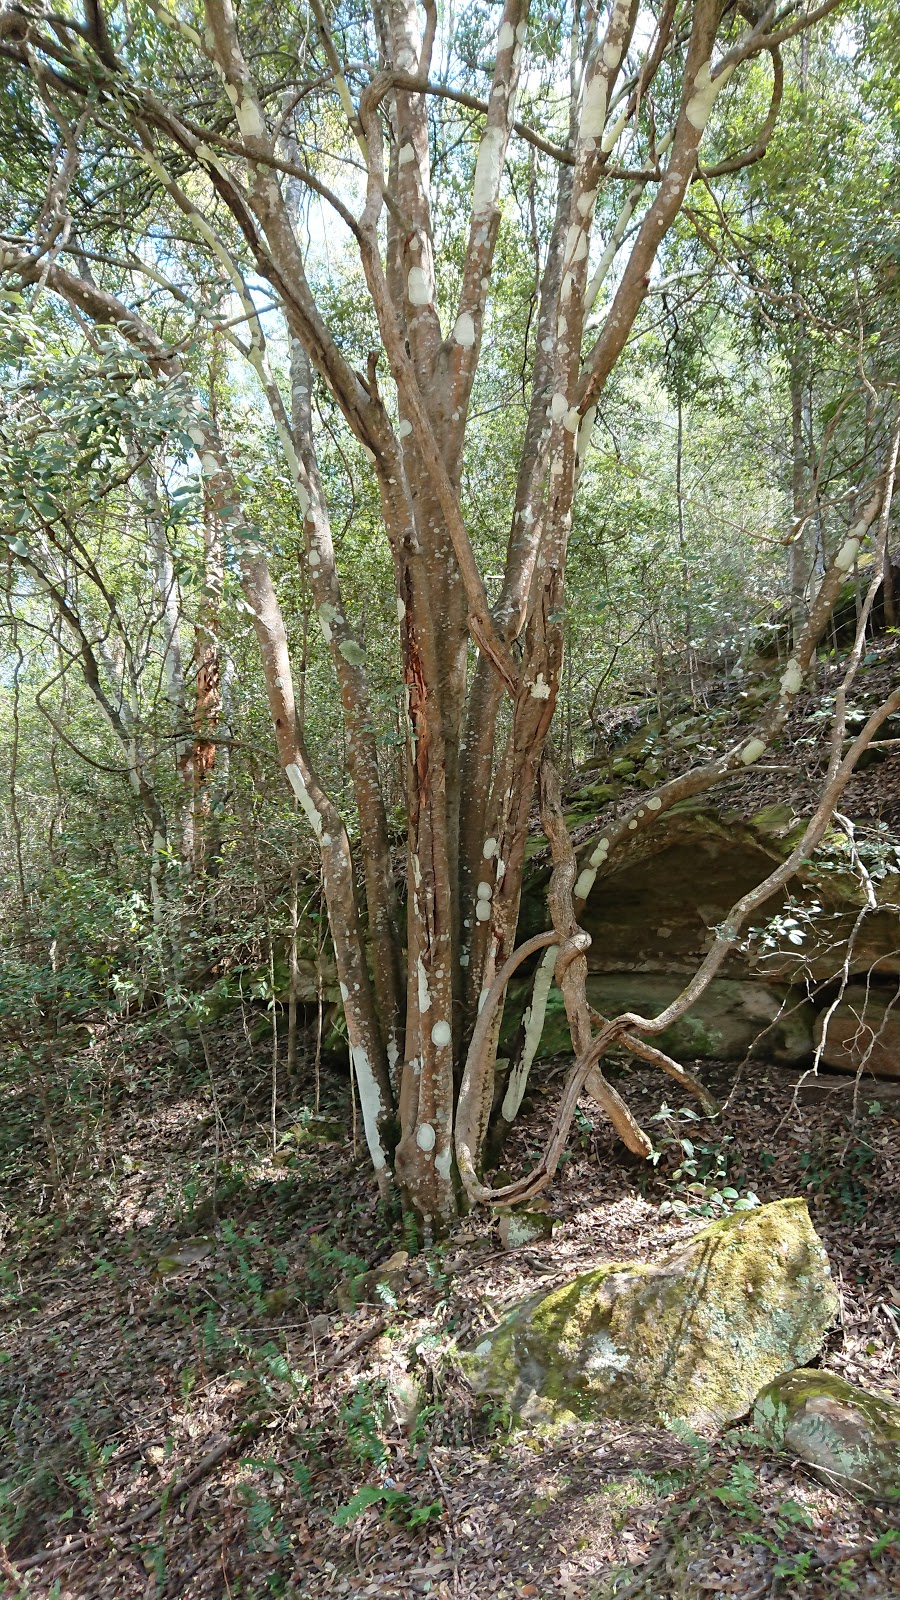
(187,1410)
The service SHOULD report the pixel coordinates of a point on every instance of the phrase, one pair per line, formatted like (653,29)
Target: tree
(218,130)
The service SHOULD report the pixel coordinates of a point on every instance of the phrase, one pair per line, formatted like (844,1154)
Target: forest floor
(187,1410)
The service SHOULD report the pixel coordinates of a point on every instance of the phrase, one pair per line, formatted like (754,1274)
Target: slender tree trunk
(799,549)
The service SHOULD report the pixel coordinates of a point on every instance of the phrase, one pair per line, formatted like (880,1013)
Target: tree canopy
(394,395)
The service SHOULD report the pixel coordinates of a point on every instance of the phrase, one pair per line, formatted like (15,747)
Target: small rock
(395,1263)
(317,1130)
(277,1301)
(524,1227)
(183,1254)
(850,1438)
(363,1287)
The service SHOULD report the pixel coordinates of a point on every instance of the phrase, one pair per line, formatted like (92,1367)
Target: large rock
(850,1438)
(724,1025)
(653,918)
(657,909)
(694,1335)
(863,1032)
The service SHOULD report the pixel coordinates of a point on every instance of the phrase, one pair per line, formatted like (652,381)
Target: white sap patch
(752,751)
(633,823)
(198,437)
(571,420)
(539,689)
(847,554)
(370,1102)
(314,558)
(404,429)
(483,1349)
(484,891)
(407,154)
(593,114)
(612,54)
(422,980)
(559,405)
(208,465)
(302,499)
(345,992)
(599,852)
(489,849)
(232,93)
(792,680)
(506,38)
(249,120)
(585,202)
(417,287)
(481,1000)
(547,345)
(464,330)
(295,779)
(442,1164)
(464,959)
(654,803)
(483,910)
(534,1027)
(585,431)
(584,883)
(487,171)
(705,90)
(401,609)
(426,1138)
(441,1034)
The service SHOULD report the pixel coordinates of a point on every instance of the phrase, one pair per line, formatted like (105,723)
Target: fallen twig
(176,1487)
(359,1343)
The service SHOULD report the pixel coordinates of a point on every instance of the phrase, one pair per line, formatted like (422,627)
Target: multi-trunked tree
(423,1000)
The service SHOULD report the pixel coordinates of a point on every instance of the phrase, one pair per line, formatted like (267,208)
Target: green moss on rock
(849,1437)
(694,1335)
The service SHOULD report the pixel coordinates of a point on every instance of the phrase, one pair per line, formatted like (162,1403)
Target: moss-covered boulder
(693,1335)
(850,1438)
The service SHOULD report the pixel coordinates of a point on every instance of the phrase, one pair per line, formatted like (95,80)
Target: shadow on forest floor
(186,1410)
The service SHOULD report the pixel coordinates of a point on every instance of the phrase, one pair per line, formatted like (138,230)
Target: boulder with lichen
(694,1335)
(850,1438)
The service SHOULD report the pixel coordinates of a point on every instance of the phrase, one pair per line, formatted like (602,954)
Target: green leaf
(371,1495)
